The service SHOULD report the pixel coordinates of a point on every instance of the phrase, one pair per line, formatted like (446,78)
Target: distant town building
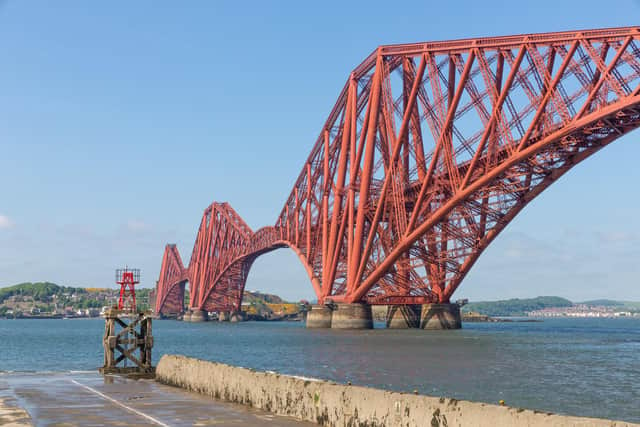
(581,310)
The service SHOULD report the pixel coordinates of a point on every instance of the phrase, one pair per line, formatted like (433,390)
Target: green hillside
(516,306)
(50,298)
(38,291)
(602,302)
(631,305)
(258,297)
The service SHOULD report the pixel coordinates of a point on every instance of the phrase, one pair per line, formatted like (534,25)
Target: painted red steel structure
(127,279)
(430,151)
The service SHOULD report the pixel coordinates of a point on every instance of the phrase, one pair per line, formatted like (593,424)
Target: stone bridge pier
(359,316)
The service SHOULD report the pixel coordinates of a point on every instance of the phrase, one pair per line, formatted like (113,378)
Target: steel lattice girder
(430,151)
(170,286)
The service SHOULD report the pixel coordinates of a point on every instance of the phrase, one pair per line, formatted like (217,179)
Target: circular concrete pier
(223,316)
(403,316)
(319,317)
(440,316)
(352,316)
(237,316)
(199,316)
(186,317)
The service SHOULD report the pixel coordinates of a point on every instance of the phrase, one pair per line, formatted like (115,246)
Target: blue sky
(121,121)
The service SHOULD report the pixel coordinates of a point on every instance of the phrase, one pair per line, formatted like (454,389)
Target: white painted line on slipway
(114,401)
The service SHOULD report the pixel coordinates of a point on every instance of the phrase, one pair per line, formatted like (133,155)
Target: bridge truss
(430,151)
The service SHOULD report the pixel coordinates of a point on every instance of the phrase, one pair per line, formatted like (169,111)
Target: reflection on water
(587,367)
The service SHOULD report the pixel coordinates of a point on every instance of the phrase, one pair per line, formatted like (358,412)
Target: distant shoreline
(47,317)
(502,319)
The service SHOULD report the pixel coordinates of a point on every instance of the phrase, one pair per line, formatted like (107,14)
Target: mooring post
(108,351)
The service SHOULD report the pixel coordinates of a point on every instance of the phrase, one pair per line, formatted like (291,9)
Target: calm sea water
(588,367)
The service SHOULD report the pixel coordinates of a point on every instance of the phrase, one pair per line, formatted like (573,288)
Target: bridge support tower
(199,316)
(352,316)
(319,316)
(237,316)
(340,316)
(403,316)
(440,316)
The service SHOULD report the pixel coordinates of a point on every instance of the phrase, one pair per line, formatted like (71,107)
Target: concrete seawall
(334,404)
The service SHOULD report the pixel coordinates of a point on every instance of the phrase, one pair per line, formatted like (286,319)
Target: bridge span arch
(222,256)
(225,293)
(429,152)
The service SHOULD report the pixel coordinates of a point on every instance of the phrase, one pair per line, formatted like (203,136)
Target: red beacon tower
(127,278)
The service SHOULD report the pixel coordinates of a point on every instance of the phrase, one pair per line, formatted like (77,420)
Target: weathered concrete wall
(343,405)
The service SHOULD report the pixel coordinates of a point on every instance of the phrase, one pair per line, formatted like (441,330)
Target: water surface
(588,367)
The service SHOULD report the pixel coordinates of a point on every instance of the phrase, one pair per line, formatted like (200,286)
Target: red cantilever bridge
(430,151)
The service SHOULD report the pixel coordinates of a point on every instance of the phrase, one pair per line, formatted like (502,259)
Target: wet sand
(12,415)
(87,399)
